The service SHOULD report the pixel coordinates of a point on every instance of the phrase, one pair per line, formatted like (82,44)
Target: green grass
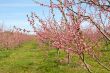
(30,58)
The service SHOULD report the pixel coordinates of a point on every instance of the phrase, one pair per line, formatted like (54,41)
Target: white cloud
(1,21)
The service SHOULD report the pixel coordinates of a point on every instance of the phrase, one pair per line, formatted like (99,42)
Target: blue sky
(13,12)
